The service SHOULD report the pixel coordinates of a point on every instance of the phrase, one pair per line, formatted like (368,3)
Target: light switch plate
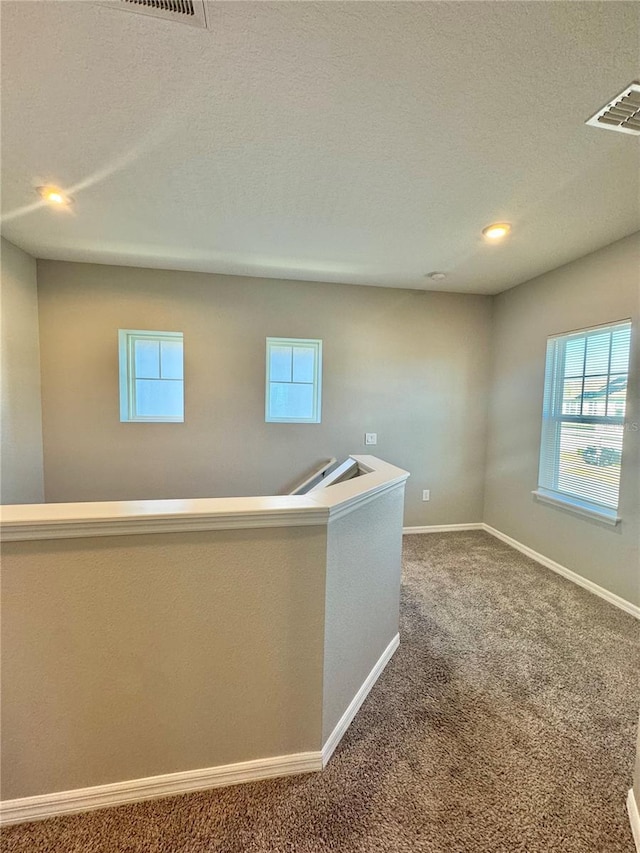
(371,438)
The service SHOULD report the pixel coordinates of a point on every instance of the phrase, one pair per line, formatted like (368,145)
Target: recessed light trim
(54,196)
(436,276)
(496,231)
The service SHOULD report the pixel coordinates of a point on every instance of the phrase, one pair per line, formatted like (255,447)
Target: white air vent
(622,113)
(184,11)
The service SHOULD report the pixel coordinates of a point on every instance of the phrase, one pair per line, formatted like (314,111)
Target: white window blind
(293,382)
(151,376)
(585,391)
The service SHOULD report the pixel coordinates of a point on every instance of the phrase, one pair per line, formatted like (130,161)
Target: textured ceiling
(356,142)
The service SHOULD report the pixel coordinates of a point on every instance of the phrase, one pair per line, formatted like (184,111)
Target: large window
(294,377)
(151,376)
(583,419)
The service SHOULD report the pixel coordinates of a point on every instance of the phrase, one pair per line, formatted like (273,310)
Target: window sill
(292,421)
(150,420)
(578,507)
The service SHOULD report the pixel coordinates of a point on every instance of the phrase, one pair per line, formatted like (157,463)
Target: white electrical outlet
(426,495)
(371,438)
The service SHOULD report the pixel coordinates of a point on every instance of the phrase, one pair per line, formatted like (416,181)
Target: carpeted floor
(504,723)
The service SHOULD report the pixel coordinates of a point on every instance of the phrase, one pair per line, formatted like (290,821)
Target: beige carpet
(504,723)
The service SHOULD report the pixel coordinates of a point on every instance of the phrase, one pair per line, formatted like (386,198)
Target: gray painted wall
(599,288)
(410,366)
(133,656)
(364,565)
(21,475)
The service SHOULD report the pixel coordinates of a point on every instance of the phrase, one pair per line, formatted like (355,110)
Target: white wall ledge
(578,507)
(23,522)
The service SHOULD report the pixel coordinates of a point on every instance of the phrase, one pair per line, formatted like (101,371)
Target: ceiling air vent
(622,113)
(184,11)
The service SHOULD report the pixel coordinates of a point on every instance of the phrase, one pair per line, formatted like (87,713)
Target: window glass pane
(580,459)
(620,344)
(288,400)
(589,462)
(574,357)
(616,396)
(171,359)
(594,398)
(303,361)
(147,359)
(159,398)
(597,353)
(279,363)
(571,396)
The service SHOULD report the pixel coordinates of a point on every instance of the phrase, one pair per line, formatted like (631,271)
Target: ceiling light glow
(496,231)
(54,196)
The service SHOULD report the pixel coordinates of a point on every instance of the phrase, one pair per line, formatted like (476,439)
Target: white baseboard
(443,528)
(169,784)
(634,818)
(345,720)
(135,790)
(611,597)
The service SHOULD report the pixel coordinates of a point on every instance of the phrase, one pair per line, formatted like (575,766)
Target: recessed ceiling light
(54,196)
(496,231)
(436,276)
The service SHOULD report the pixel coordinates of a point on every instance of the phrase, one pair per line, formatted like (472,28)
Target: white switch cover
(371,438)
(426,494)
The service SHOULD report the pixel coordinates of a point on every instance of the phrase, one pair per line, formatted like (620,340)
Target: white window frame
(548,490)
(310,343)
(126,344)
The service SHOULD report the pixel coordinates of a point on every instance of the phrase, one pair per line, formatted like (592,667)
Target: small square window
(294,378)
(151,376)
